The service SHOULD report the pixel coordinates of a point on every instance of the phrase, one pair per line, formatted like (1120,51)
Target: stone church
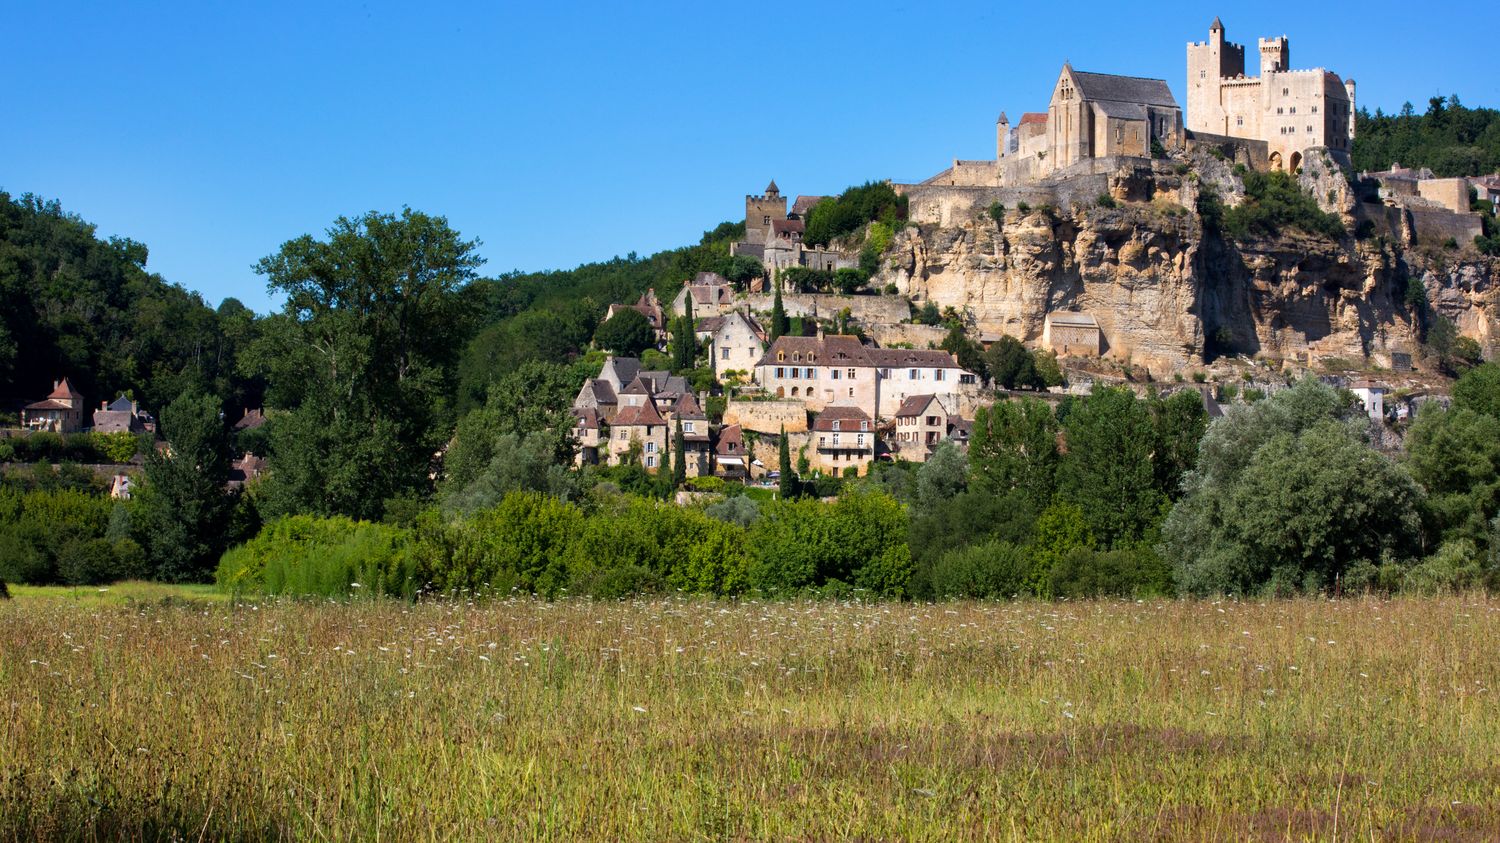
(1291,110)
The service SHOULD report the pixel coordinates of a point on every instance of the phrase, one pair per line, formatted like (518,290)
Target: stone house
(737,344)
(822,370)
(599,396)
(638,426)
(1072,334)
(60,412)
(589,433)
(695,434)
(711,292)
(648,306)
(250,419)
(118,416)
(1292,111)
(773,235)
(843,437)
(731,461)
(1372,396)
(921,423)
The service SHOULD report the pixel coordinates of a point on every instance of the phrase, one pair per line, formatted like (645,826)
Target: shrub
(992,569)
(1129,572)
(309,555)
(850,210)
(1274,201)
(1106,201)
(116,447)
(87,562)
(1454,567)
(518,544)
(997,213)
(859,540)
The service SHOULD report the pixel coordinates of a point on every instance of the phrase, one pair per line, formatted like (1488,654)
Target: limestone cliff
(1165,290)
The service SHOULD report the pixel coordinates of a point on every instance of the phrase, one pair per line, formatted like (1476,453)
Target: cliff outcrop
(1168,291)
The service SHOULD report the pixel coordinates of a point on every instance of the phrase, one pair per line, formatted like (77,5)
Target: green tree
(1108,470)
(1014,449)
(363,359)
(787,481)
(1011,365)
(183,509)
(1479,390)
(969,353)
(679,456)
(779,323)
(1178,423)
(627,333)
(1455,456)
(685,339)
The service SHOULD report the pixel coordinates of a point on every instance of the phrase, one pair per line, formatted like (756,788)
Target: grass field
(680,720)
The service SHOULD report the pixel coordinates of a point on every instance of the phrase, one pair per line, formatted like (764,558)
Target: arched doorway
(1296,163)
(780,392)
(1275,161)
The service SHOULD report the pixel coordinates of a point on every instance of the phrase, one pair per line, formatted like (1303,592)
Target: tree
(1011,365)
(779,323)
(1178,423)
(627,333)
(685,339)
(183,509)
(679,456)
(1014,449)
(363,359)
(518,462)
(970,355)
(1455,455)
(1335,502)
(1479,390)
(788,482)
(1107,470)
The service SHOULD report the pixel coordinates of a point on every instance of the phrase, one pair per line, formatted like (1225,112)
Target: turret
(1275,55)
(1349,88)
(1002,136)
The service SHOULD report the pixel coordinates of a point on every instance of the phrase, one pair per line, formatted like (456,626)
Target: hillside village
(864,379)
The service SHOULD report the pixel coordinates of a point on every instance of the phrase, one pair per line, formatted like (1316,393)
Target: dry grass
(679,720)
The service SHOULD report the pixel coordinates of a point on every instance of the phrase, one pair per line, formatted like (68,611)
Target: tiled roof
(121,405)
(897,357)
(914,405)
(788,226)
(731,441)
(706,277)
(840,413)
(625,368)
(709,325)
(64,390)
(836,350)
(602,391)
(805,204)
(588,417)
(1072,319)
(1107,86)
(251,419)
(686,407)
(48,404)
(1034,117)
(1121,110)
(639,386)
(644,414)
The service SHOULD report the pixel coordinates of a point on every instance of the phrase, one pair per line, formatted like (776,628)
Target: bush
(330,557)
(40,527)
(1274,201)
(1455,567)
(87,562)
(997,213)
(859,540)
(851,210)
(1131,572)
(989,570)
(1106,201)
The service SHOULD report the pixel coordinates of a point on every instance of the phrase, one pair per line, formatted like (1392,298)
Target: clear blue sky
(560,133)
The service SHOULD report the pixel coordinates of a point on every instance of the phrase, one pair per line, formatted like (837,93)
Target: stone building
(730,457)
(712,294)
(638,428)
(1291,110)
(843,438)
(737,344)
(1099,115)
(695,434)
(589,431)
(921,423)
(773,235)
(824,370)
(119,416)
(60,412)
(1072,334)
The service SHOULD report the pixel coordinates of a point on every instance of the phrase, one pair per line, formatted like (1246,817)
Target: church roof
(1122,110)
(1107,86)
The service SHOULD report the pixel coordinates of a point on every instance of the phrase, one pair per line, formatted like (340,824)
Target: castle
(1290,110)
(773,235)
(1099,117)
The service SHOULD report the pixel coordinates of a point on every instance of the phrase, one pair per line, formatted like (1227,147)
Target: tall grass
(683,720)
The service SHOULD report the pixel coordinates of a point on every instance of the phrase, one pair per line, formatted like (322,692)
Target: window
(780,356)
(1285,91)
(835,424)
(796,357)
(851,374)
(835,439)
(624,434)
(1278,110)
(1239,121)
(1309,130)
(912,373)
(834,374)
(1315,109)
(687,427)
(835,456)
(1291,130)
(859,440)
(723,354)
(1292,110)
(780,372)
(1202,74)
(851,392)
(765,220)
(650,447)
(864,425)
(651,462)
(937,374)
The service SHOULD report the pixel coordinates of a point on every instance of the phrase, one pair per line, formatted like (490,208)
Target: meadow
(675,719)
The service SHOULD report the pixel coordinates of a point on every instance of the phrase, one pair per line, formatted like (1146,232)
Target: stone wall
(1253,154)
(887,335)
(1433,227)
(866,310)
(1452,194)
(767,416)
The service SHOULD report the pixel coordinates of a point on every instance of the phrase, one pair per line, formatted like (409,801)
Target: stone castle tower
(760,211)
(1291,110)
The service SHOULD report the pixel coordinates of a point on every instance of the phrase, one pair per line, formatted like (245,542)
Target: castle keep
(1291,110)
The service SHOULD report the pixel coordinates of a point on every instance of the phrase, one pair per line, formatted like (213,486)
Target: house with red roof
(60,412)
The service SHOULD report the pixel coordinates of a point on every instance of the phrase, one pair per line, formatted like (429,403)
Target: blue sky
(559,133)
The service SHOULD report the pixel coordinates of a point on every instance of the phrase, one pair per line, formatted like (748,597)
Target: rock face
(1166,292)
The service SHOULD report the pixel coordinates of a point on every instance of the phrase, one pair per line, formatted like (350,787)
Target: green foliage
(1455,354)
(1124,572)
(1479,390)
(519,544)
(74,304)
(1455,455)
(997,213)
(679,456)
(786,481)
(1107,201)
(969,353)
(116,447)
(517,463)
(802,279)
(183,510)
(1274,201)
(928,314)
(44,534)
(860,541)
(1109,470)
(363,360)
(851,210)
(1012,366)
(779,324)
(986,570)
(49,447)
(328,557)
(848,281)
(627,333)
(1061,530)
(1450,139)
(1285,490)
(877,240)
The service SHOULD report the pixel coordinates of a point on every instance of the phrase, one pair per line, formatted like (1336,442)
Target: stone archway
(1296,163)
(1275,161)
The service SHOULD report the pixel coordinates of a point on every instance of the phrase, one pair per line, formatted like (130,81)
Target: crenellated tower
(760,210)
